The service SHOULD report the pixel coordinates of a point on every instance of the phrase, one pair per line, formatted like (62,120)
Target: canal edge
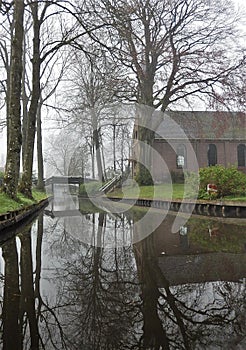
(11,218)
(199,207)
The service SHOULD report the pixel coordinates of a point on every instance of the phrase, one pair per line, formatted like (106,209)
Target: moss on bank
(7,204)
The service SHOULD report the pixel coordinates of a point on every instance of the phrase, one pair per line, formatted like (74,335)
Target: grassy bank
(7,204)
(161,192)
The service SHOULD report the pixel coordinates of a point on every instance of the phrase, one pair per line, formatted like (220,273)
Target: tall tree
(26,181)
(26,88)
(40,184)
(176,51)
(5,82)
(12,168)
(45,48)
(94,82)
(67,154)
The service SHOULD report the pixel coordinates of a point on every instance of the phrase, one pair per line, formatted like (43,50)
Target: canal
(82,277)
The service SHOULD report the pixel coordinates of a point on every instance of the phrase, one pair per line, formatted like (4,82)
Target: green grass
(162,191)
(87,207)
(8,204)
(239,199)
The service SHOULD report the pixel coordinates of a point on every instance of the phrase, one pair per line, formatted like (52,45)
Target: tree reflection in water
(191,316)
(71,295)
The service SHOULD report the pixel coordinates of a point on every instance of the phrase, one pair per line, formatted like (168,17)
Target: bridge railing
(111,183)
(76,180)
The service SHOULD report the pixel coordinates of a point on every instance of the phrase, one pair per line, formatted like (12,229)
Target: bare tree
(50,83)
(95,81)
(66,154)
(176,51)
(45,48)
(40,184)
(5,68)
(12,169)
(26,181)
(26,88)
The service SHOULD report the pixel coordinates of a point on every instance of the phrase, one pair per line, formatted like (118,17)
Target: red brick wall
(226,155)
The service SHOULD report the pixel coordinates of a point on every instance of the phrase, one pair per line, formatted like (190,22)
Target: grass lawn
(162,191)
(7,204)
(238,199)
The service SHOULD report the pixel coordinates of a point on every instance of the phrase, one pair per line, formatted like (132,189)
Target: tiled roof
(203,125)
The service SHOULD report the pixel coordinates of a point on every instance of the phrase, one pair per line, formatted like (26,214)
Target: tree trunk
(12,168)
(92,159)
(154,335)
(122,150)
(24,105)
(27,304)
(103,161)
(146,127)
(144,157)
(96,142)
(98,155)
(114,146)
(11,299)
(40,184)
(39,255)
(7,98)
(26,181)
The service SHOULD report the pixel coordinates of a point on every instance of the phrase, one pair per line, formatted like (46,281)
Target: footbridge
(70,180)
(66,180)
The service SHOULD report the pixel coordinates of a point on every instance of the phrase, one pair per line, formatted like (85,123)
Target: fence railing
(111,183)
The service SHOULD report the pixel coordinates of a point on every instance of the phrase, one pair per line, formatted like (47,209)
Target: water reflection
(169,291)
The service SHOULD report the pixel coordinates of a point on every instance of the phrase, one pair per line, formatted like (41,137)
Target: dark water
(87,280)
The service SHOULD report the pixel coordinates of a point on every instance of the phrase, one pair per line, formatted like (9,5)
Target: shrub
(229,181)
(90,188)
(143,177)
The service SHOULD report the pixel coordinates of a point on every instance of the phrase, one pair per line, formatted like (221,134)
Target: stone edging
(213,208)
(17,216)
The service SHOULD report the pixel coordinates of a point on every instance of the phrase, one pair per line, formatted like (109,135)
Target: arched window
(241,153)
(212,154)
(181,156)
